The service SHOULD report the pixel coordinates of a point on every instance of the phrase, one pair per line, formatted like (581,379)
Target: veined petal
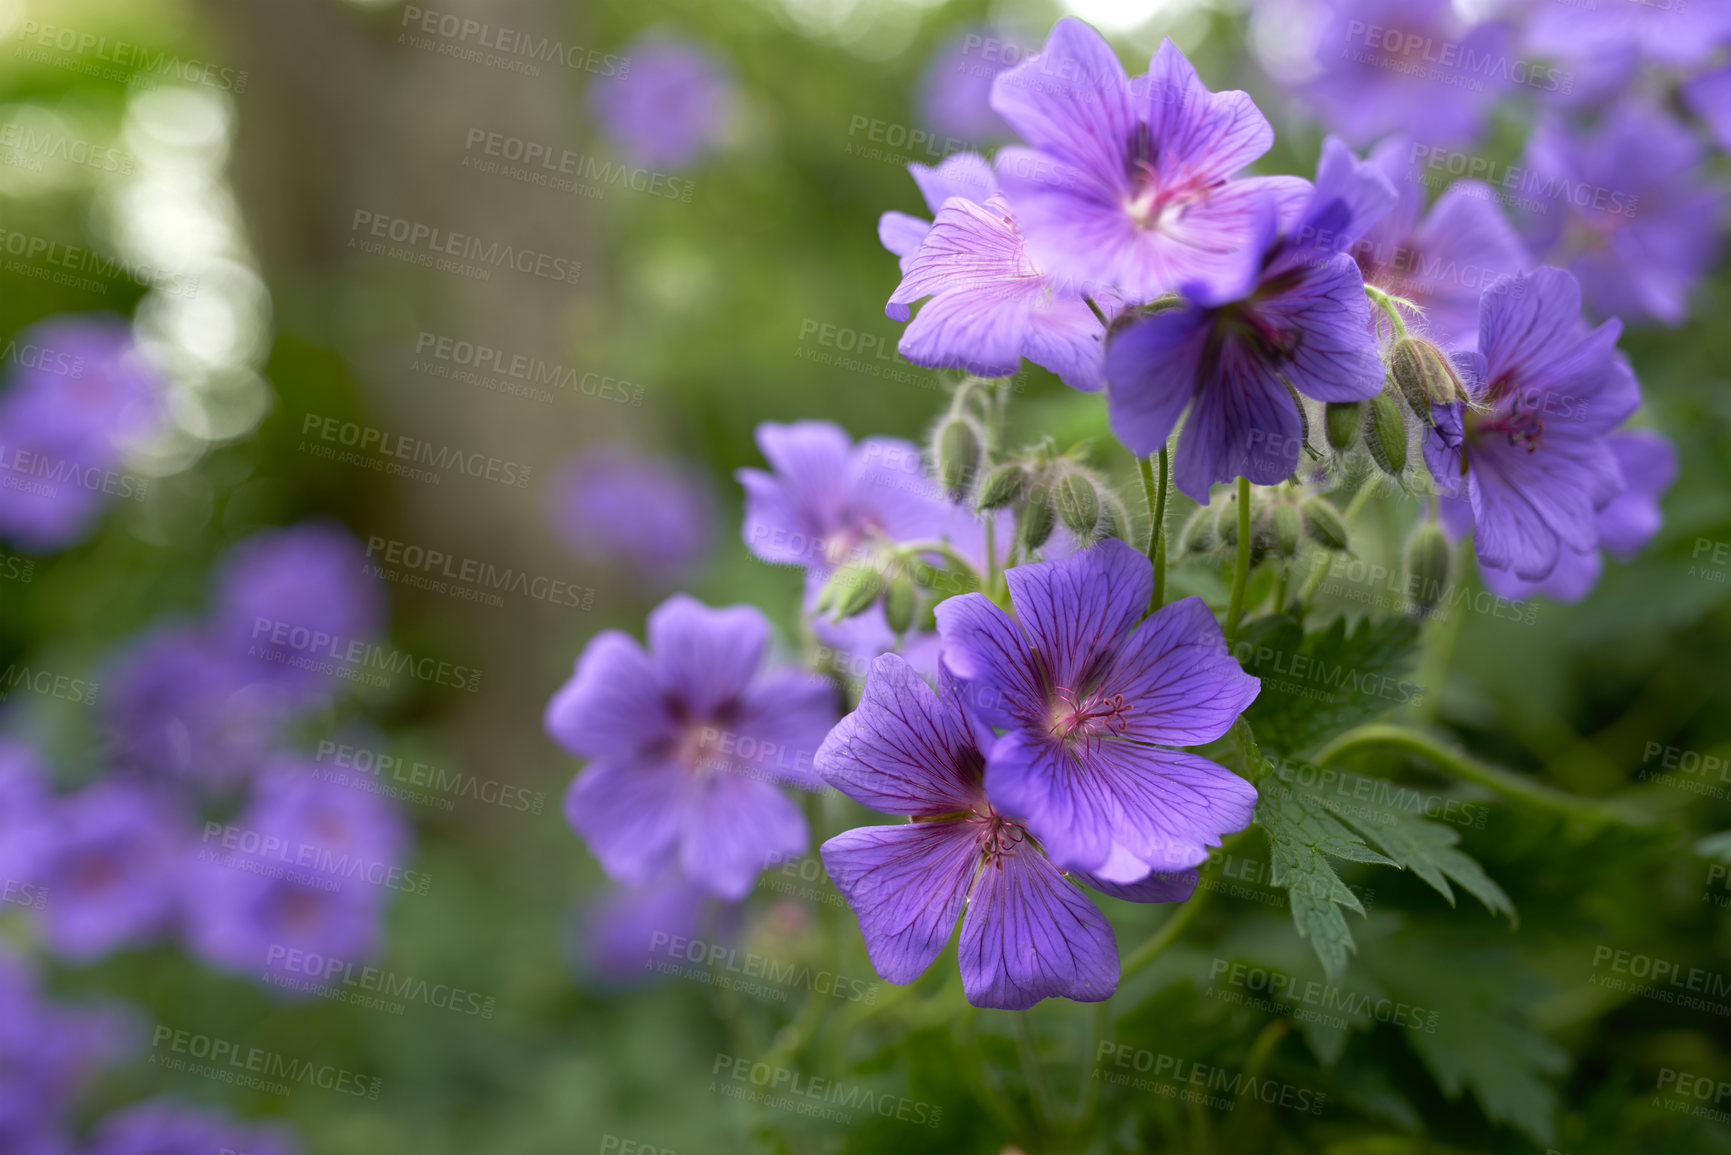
(1242,424)
(1152,368)
(1156,886)
(1030,934)
(1201,136)
(1078,610)
(1528,506)
(1071,99)
(1182,686)
(906,885)
(966,174)
(903,751)
(986,649)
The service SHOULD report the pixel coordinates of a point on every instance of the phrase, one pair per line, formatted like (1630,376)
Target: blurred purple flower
(669,108)
(967,175)
(26,821)
(625,506)
(620,938)
(295,602)
(1297,319)
(1629,211)
(955,93)
(1709,97)
(82,397)
(1414,66)
(1089,698)
(829,498)
(687,743)
(1441,260)
(111,870)
(1127,183)
(165,1127)
(1528,466)
(1028,932)
(308,867)
(177,705)
(1605,43)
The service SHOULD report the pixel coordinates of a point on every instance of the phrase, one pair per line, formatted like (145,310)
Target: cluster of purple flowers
(81,395)
(49,1056)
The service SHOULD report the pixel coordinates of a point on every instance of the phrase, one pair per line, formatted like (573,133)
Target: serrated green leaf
(1302,836)
(1320,684)
(1428,849)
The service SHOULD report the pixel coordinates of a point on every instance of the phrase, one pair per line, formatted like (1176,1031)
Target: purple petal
(1079,609)
(1336,357)
(630,814)
(1649,466)
(1029,934)
(1072,100)
(787,715)
(966,174)
(731,827)
(1152,367)
(1156,886)
(1183,688)
(706,657)
(1572,578)
(902,234)
(906,884)
(983,646)
(1203,136)
(903,751)
(1528,506)
(1242,424)
(612,707)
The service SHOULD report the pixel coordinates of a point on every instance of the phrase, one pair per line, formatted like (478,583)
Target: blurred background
(434,334)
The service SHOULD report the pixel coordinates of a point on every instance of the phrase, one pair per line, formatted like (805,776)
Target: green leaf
(1302,837)
(1428,850)
(1320,684)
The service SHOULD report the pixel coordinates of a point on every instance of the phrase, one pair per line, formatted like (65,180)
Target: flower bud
(1226,522)
(1286,525)
(850,590)
(899,603)
(1340,422)
(1324,524)
(1078,504)
(1003,485)
(1038,520)
(1427,565)
(956,454)
(1198,533)
(1425,376)
(1385,434)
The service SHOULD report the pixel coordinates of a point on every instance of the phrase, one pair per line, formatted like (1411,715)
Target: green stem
(1037,1088)
(1400,739)
(1240,567)
(1154,489)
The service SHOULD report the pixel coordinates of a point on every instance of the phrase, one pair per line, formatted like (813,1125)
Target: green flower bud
(1038,520)
(1340,422)
(900,603)
(1226,522)
(1003,485)
(956,454)
(1324,524)
(1078,504)
(1427,565)
(1385,434)
(1198,533)
(850,590)
(1424,375)
(1287,526)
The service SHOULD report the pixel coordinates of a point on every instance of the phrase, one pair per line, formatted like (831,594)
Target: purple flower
(83,397)
(177,705)
(669,107)
(26,818)
(956,88)
(967,175)
(1709,96)
(295,601)
(1441,260)
(1606,42)
(165,1127)
(687,743)
(1528,465)
(112,869)
(622,936)
(990,305)
(1411,66)
(1028,933)
(1625,525)
(1127,183)
(1088,699)
(1629,212)
(308,867)
(830,499)
(1296,319)
(625,506)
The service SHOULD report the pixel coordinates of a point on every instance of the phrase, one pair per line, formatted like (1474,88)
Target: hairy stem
(1240,567)
(1154,489)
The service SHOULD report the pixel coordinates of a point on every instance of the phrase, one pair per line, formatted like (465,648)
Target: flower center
(1072,716)
(1520,418)
(999,837)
